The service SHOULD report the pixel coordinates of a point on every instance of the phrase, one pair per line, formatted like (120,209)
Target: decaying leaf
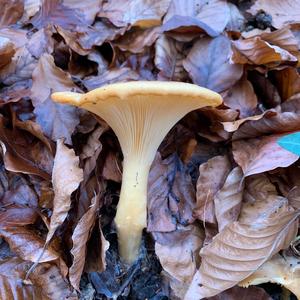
(242,247)
(228,200)
(66,177)
(168,58)
(45,282)
(208,64)
(146,13)
(179,256)
(169,203)
(80,237)
(212,177)
(261,154)
(211,16)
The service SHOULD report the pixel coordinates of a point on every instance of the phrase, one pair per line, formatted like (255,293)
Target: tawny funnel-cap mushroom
(140,113)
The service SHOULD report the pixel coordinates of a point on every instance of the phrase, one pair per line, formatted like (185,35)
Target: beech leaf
(66,177)
(208,64)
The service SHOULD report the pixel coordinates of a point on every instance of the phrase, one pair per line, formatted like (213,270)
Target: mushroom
(140,113)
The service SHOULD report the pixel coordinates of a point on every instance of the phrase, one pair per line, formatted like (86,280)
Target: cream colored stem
(131,217)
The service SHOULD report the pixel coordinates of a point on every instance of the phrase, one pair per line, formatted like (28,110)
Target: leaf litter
(223,195)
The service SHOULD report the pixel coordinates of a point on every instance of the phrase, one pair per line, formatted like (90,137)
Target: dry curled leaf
(169,55)
(261,154)
(208,64)
(241,248)
(80,237)
(169,202)
(211,16)
(146,13)
(228,199)
(180,257)
(66,176)
(212,176)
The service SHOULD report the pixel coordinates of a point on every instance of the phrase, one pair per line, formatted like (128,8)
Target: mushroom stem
(131,217)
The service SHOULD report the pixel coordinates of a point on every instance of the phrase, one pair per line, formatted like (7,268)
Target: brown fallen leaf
(212,177)
(288,82)
(169,55)
(11,12)
(66,176)
(136,40)
(261,154)
(282,12)
(110,76)
(272,122)
(236,19)
(27,244)
(6,51)
(169,202)
(80,237)
(259,52)
(241,248)
(88,9)
(20,157)
(228,200)
(56,120)
(242,97)
(45,282)
(145,13)
(180,256)
(211,16)
(281,270)
(208,64)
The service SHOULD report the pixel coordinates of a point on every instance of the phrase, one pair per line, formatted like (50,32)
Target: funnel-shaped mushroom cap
(140,113)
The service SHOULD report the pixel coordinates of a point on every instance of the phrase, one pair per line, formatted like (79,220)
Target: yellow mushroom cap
(167,90)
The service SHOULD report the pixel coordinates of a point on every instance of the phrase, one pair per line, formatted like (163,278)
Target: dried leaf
(208,64)
(20,157)
(88,9)
(242,98)
(66,176)
(110,76)
(11,12)
(282,12)
(6,51)
(80,237)
(169,55)
(228,199)
(27,244)
(169,203)
(261,154)
(212,177)
(257,51)
(136,40)
(45,282)
(145,13)
(288,82)
(241,248)
(180,258)
(212,16)
(47,78)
